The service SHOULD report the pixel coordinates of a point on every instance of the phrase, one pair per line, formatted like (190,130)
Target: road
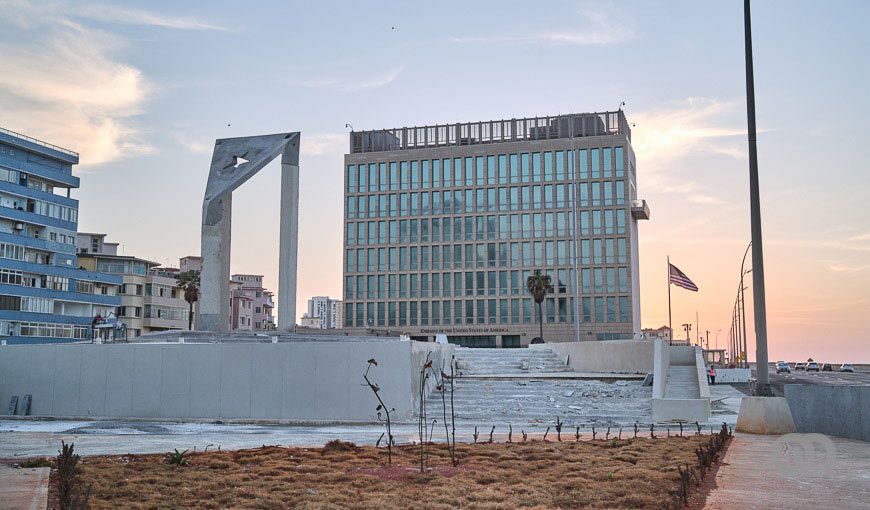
(777,381)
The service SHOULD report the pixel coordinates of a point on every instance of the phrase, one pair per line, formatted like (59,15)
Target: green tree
(538,285)
(188,282)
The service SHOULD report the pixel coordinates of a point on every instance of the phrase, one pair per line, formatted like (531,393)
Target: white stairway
(484,396)
(683,382)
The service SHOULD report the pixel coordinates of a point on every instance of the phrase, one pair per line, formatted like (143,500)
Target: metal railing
(493,131)
(38,142)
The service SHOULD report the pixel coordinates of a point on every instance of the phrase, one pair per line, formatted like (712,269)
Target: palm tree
(538,285)
(188,282)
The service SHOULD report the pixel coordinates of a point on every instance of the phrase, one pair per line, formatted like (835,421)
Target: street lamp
(762,385)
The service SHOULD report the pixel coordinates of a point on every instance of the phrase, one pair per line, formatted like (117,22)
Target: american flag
(680,279)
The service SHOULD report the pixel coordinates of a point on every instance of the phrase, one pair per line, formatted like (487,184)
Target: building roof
(35,145)
(491,131)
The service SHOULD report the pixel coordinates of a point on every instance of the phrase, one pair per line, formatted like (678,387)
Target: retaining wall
(291,381)
(842,411)
(732,375)
(617,356)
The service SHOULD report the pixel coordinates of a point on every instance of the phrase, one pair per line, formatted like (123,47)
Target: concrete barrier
(836,410)
(290,381)
(733,375)
(614,356)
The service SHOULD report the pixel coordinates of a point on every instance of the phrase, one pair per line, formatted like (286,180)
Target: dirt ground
(635,473)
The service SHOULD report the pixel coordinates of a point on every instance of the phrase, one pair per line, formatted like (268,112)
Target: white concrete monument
(234,161)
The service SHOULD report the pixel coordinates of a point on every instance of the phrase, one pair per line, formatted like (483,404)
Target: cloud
(66,87)
(599,30)
(193,145)
(351,84)
(319,144)
(860,237)
(61,79)
(666,134)
(844,268)
(127,16)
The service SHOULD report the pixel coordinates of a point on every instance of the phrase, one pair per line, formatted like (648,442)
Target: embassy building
(444,224)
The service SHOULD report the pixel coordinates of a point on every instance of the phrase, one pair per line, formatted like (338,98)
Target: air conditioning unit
(19,226)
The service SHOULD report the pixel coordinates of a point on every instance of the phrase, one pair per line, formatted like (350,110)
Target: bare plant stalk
(510,432)
(490,433)
(452,411)
(424,375)
(381,406)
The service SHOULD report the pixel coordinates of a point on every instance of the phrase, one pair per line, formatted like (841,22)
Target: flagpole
(670,318)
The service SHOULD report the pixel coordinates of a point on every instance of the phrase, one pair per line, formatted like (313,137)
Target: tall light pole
(762,385)
(743,298)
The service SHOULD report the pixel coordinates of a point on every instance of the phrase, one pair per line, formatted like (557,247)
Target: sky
(141,89)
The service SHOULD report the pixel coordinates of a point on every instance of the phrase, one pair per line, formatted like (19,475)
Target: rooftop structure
(492,131)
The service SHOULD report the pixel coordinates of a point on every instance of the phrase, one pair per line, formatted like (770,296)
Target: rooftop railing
(493,131)
(38,142)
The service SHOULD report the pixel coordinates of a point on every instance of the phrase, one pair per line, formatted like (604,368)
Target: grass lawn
(636,473)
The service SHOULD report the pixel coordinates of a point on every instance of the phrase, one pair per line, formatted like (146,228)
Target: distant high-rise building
(323,311)
(444,224)
(44,296)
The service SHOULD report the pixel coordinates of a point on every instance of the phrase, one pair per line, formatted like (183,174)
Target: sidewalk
(793,471)
(23,489)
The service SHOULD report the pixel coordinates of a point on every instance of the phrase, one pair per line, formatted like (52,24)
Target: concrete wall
(661,367)
(620,356)
(703,387)
(732,375)
(842,411)
(292,381)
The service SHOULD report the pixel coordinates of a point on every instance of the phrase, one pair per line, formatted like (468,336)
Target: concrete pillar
(288,243)
(214,296)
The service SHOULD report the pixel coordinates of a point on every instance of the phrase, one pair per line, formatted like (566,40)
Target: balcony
(639,210)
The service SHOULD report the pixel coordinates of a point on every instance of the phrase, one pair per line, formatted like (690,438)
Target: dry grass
(640,473)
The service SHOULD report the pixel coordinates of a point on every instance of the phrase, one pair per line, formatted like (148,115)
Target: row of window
(519,198)
(482,170)
(524,254)
(13,277)
(41,329)
(597,280)
(503,226)
(165,312)
(611,309)
(40,207)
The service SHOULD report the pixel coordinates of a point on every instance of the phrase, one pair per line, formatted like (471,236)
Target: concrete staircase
(508,361)
(680,391)
(527,386)
(682,374)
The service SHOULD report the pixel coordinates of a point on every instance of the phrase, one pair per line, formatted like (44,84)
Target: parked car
(847,367)
(812,365)
(782,366)
(827,368)
(800,366)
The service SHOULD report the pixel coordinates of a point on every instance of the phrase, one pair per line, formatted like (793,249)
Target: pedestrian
(712,374)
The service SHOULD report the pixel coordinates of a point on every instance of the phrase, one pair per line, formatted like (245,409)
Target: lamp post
(762,385)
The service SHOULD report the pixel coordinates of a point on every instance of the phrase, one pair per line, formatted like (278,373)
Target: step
(682,382)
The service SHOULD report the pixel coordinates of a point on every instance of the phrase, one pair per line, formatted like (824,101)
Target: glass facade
(449,238)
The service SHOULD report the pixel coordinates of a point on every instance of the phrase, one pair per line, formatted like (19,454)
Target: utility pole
(762,385)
